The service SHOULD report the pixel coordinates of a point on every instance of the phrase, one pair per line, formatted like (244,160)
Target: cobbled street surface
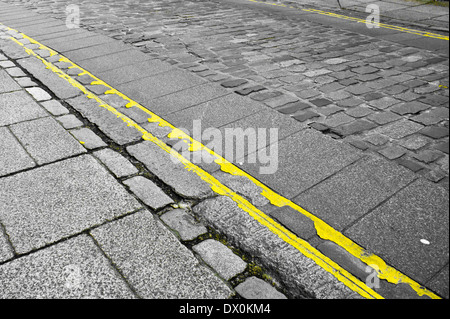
(363,139)
(379,96)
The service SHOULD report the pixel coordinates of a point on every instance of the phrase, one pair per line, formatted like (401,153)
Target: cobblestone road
(234,64)
(381,97)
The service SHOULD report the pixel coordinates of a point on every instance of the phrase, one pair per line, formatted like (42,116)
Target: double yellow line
(324,231)
(358,20)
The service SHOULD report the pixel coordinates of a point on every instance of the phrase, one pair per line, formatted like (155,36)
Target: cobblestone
(220,258)
(115,162)
(186,227)
(148,192)
(255,288)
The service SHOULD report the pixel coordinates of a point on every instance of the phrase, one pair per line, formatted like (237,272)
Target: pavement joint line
(358,20)
(68,237)
(324,231)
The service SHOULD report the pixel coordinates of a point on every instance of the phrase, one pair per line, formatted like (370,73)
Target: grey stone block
(220,258)
(15,72)
(13,156)
(87,138)
(69,121)
(148,192)
(255,288)
(44,205)
(155,263)
(73,269)
(115,162)
(38,94)
(17,107)
(114,127)
(399,129)
(183,224)
(170,170)
(55,108)
(45,140)
(61,88)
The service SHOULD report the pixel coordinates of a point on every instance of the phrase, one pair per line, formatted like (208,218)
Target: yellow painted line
(324,231)
(358,20)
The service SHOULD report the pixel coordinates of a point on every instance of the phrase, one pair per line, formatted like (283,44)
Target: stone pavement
(81,220)
(363,145)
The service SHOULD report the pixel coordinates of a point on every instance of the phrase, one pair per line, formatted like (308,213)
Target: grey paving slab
(7,84)
(45,29)
(185,98)
(17,107)
(354,191)
(394,230)
(217,112)
(49,23)
(114,60)
(69,45)
(61,88)
(13,156)
(259,129)
(96,50)
(46,140)
(27,20)
(114,127)
(146,89)
(73,269)
(133,72)
(144,250)
(299,162)
(63,34)
(170,170)
(44,205)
